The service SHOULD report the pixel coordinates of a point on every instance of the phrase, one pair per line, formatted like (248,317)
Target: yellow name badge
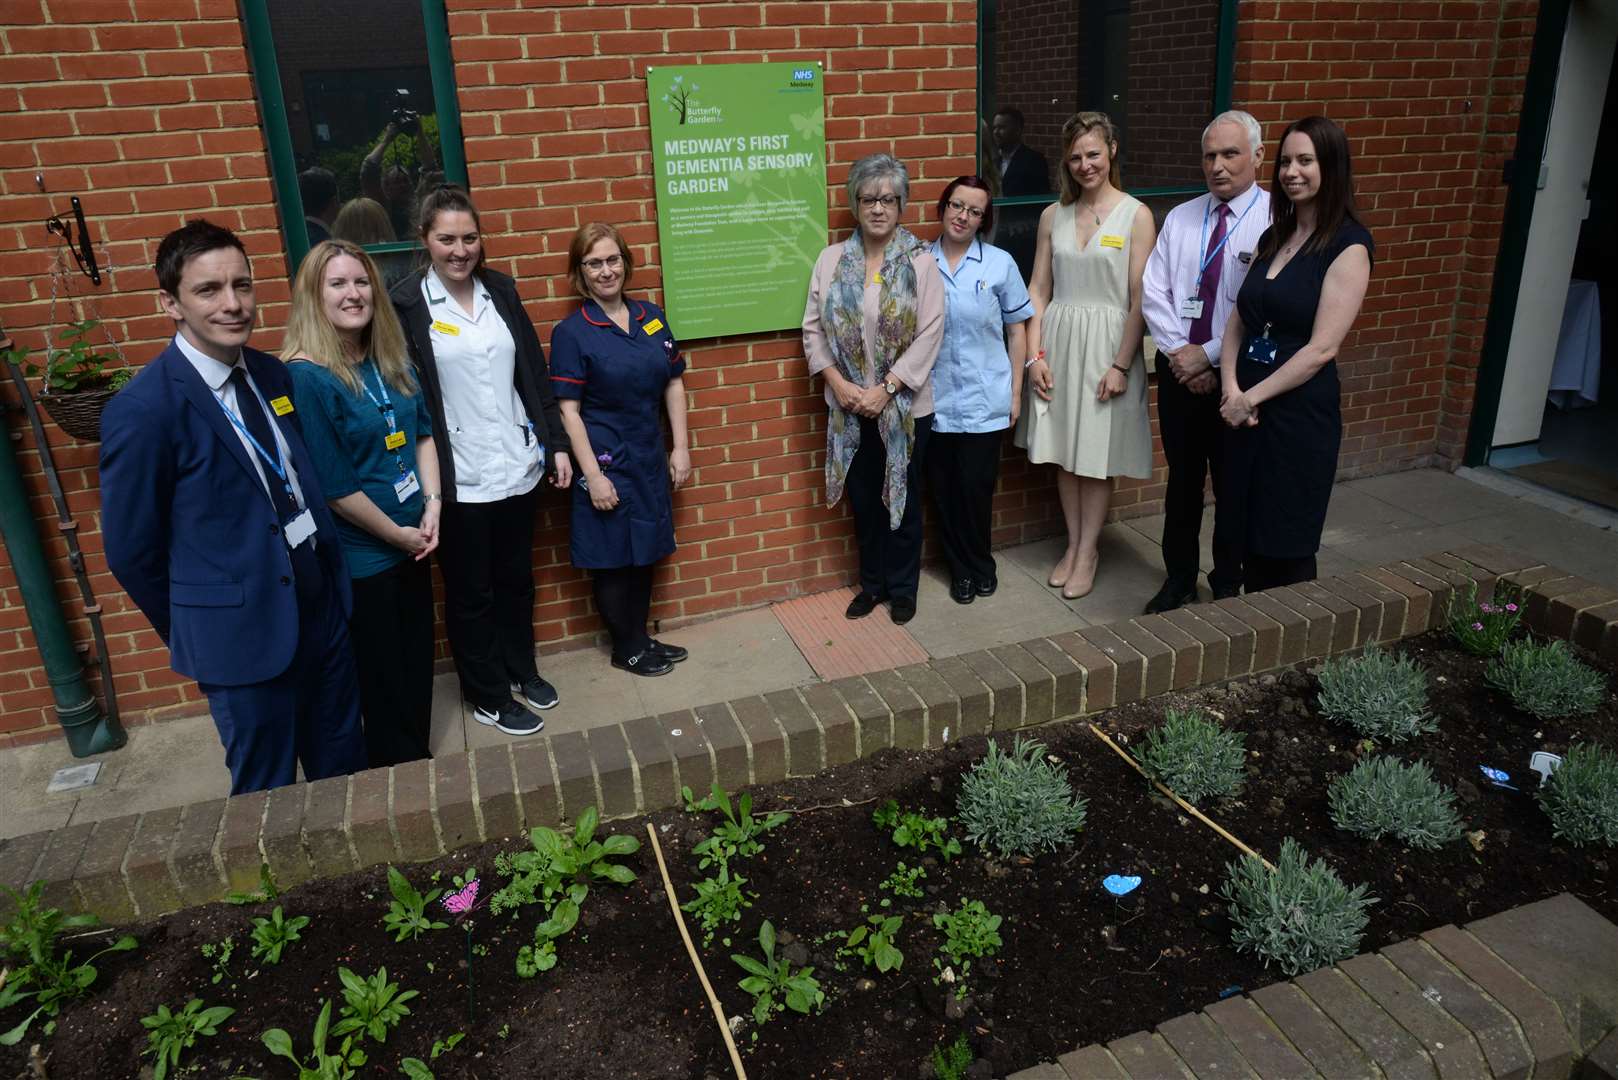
(394,440)
(282,405)
(1112,241)
(447,328)
(654,326)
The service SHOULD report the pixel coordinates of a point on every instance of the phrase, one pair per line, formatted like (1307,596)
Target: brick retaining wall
(142,865)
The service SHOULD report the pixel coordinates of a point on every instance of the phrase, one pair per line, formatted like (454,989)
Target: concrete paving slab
(1398,543)
(1431,494)
(1353,516)
(1130,573)
(1021,608)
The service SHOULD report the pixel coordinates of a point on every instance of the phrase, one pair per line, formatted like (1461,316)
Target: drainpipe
(87,730)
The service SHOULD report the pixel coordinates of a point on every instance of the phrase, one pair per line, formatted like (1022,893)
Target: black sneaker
(962,591)
(538,693)
(862,605)
(645,662)
(510,718)
(672,653)
(901,609)
(1172,595)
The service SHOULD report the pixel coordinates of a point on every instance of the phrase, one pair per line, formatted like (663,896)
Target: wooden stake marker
(1187,807)
(696,961)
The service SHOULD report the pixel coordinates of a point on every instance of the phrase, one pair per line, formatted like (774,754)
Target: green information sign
(739,157)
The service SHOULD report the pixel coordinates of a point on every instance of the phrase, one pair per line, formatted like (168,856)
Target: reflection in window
(360,117)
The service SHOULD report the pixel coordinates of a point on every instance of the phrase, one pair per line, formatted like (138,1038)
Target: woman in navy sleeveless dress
(1281,393)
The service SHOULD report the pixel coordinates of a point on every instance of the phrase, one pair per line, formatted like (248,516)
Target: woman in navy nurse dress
(613,362)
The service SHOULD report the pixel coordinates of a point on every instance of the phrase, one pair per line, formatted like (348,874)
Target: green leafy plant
(1194,757)
(971,932)
(774,984)
(218,954)
(1299,916)
(319,1065)
(1581,796)
(371,1006)
(950,1061)
(272,935)
(168,1033)
(910,829)
(1019,803)
(737,836)
(560,865)
(1384,796)
(719,900)
(1380,695)
(407,911)
(266,889)
(1482,628)
(873,942)
(41,974)
(75,364)
(904,881)
(541,955)
(1546,680)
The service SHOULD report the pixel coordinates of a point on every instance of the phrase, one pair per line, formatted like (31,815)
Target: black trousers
(1268,572)
(1194,444)
(961,473)
(392,630)
(486,556)
(890,559)
(624,599)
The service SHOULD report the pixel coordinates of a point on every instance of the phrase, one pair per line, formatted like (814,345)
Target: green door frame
(283,165)
(1539,95)
(1224,87)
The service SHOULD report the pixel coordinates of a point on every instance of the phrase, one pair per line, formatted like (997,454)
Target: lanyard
(1210,256)
(385,407)
(273,462)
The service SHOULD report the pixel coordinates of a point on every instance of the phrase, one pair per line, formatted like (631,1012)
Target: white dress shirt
(217,376)
(496,453)
(1172,269)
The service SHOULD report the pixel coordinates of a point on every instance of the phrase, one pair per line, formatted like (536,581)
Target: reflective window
(356,129)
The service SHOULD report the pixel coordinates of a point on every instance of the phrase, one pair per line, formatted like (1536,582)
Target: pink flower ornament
(461,903)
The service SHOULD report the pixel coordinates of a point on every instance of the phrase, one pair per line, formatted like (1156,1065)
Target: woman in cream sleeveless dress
(1087,412)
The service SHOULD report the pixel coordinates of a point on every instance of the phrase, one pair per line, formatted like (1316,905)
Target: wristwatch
(891,386)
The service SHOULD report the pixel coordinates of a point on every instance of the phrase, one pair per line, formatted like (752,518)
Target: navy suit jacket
(190,532)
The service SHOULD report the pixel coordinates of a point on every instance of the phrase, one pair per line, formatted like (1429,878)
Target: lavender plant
(1195,757)
(1546,680)
(1300,916)
(1581,796)
(1384,796)
(1381,696)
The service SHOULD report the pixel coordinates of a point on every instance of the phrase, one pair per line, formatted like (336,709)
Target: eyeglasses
(958,207)
(886,202)
(611,262)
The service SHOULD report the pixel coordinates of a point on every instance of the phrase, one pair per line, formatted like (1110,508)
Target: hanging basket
(78,413)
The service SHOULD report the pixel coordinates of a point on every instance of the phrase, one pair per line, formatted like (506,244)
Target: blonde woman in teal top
(369,432)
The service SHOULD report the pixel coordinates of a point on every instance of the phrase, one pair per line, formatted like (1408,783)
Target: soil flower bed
(1076,964)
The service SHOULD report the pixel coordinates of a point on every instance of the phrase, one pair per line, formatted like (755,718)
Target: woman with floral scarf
(871,330)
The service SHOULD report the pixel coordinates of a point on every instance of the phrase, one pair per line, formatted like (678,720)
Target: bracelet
(1122,370)
(1040,355)
(434,497)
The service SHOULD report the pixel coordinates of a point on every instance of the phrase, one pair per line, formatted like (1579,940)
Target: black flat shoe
(962,591)
(1226,594)
(986,588)
(1172,595)
(645,663)
(901,609)
(672,653)
(862,605)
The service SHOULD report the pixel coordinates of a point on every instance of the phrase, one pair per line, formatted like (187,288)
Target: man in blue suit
(214,523)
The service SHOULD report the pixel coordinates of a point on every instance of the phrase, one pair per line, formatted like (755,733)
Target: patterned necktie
(1202,325)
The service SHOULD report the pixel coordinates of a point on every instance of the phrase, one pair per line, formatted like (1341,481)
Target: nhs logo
(800,75)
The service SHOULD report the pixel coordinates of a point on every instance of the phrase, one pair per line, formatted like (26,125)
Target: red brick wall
(1036,45)
(145,109)
(1171,83)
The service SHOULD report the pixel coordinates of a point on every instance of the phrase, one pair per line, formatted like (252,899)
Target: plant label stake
(1544,763)
(1498,777)
(1120,886)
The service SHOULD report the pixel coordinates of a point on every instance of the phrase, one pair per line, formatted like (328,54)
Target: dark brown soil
(1076,967)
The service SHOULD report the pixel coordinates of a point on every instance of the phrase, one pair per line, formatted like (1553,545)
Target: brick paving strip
(1528,992)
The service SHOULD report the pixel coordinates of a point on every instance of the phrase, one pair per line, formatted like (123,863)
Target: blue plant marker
(1498,777)
(1119,885)
(1229,991)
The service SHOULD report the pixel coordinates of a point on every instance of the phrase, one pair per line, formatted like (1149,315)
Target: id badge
(1191,307)
(299,529)
(406,486)
(1261,349)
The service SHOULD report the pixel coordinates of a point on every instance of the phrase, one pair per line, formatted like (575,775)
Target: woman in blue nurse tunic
(612,363)
(977,383)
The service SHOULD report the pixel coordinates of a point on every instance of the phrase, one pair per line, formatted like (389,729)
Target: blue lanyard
(273,462)
(385,406)
(1210,256)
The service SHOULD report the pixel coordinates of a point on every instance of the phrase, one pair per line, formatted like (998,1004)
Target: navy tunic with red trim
(619,378)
